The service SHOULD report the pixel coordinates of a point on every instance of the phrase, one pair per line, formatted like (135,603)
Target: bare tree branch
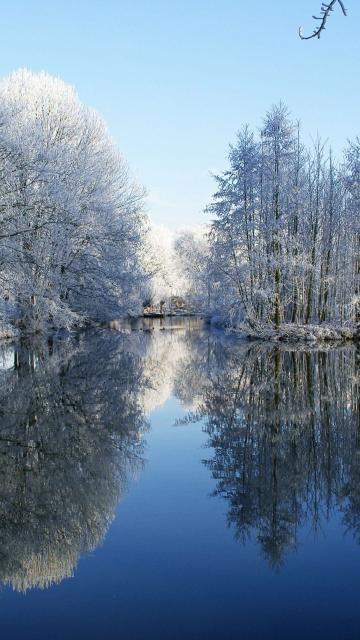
(325,11)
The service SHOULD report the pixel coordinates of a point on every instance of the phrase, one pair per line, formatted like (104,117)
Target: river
(167,481)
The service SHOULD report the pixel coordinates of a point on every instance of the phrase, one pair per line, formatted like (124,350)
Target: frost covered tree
(192,250)
(71,227)
(175,260)
(353,229)
(284,236)
(163,265)
(233,229)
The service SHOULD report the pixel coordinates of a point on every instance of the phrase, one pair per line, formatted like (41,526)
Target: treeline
(71,227)
(282,248)
(284,239)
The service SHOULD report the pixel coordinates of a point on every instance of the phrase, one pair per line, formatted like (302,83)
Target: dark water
(171,483)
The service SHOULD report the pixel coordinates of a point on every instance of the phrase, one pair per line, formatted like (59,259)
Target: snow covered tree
(162,263)
(353,229)
(192,251)
(71,227)
(284,238)
(234,227)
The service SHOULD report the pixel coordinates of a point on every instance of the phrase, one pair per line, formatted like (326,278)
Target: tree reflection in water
(70,435)
(284,436)
(282,426)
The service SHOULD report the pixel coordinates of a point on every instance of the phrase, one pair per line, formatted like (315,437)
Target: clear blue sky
(175,79)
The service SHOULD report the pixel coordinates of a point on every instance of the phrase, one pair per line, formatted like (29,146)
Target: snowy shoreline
(298,333)
(287,333)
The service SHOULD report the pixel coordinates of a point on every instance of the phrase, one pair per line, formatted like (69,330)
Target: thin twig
(324,14)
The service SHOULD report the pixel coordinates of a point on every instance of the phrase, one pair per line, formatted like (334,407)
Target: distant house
(174,305)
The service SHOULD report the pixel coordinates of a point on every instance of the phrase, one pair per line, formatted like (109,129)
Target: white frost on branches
(71,227)
(284,243)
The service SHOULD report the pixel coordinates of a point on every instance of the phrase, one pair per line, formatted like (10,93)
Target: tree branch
(324,14)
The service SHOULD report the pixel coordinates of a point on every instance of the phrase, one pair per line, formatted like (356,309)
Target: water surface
(164,481)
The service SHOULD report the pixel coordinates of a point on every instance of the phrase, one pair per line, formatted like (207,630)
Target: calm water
(169,482)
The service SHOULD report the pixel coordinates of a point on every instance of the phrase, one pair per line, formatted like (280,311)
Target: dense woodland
(279,248)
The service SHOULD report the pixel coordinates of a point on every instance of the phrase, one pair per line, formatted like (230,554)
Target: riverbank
(297,333)
(287,333)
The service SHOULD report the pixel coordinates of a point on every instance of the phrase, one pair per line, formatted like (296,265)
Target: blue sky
(175,79)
